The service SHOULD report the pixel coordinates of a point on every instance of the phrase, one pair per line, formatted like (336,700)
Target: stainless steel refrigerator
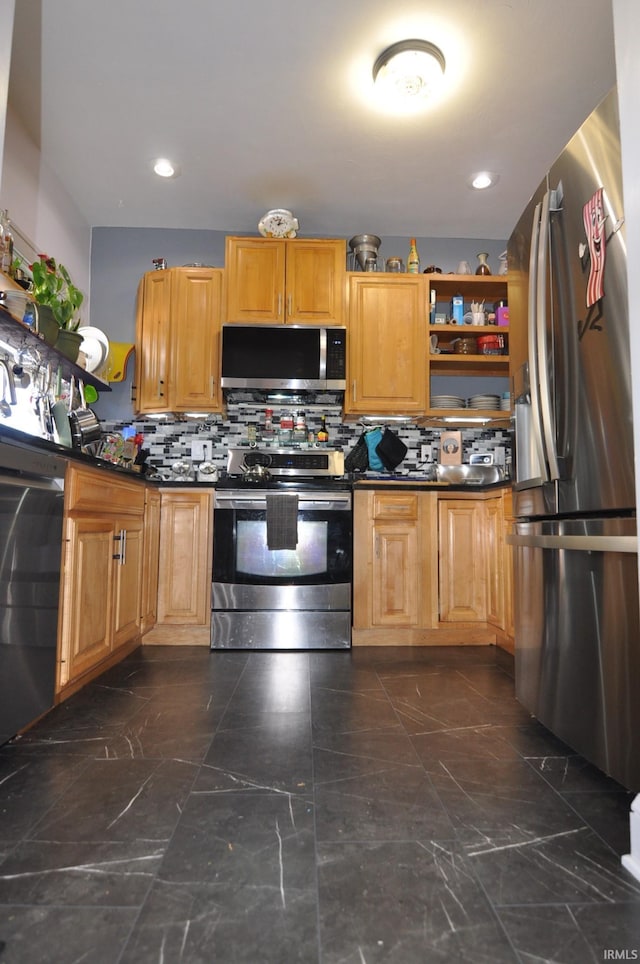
(577,640)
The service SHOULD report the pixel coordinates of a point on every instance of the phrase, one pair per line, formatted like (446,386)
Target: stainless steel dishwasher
(31,506)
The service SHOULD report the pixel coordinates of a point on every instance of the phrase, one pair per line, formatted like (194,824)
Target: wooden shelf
(470,331)
(491,287)
(18,336)
(452,364)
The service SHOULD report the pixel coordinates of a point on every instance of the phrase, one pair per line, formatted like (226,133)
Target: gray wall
(120,256)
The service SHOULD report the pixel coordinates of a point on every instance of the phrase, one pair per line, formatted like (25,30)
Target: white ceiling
(267,103)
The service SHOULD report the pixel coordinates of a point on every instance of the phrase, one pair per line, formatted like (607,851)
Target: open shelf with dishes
(469,349)
(471,354)
(18,335)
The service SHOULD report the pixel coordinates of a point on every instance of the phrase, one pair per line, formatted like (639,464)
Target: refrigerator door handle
(542,344)
(535,422)
(579,543)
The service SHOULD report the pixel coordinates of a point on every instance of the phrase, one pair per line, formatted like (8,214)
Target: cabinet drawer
(90,490)
(395,505)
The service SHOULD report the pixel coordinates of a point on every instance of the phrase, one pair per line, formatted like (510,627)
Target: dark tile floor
(375,805)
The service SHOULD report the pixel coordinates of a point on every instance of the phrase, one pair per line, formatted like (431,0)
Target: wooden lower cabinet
(185,563)
(463,560)
(127,583)
(507,641)
(102,576)
(88,595)
(429,568)
(150,566)
(394,583)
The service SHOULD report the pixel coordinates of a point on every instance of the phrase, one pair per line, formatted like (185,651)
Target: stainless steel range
(282,551)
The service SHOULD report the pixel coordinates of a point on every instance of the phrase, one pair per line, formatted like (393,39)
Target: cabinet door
(315,282)
(390,558)
(195,324)
(495,567)
(151,549)
(127,581)
(255,269)
(153,331)
(396,575)
(507,563)
(87,594)
(387,345)
(184,579)
(463,566)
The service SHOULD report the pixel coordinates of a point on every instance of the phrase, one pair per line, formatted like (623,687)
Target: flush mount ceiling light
(409,71)
(163,167)
(482,180)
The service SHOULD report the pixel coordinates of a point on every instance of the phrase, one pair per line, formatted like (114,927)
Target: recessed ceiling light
(482,180)
(163,167)
(409,71)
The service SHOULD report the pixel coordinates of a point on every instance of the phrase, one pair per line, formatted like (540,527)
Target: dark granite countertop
(369,481)
(422,483)
(26,441)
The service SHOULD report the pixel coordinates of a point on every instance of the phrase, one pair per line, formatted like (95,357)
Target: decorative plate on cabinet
(278,223)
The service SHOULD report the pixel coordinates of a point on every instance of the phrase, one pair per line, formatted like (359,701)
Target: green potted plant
(53,289)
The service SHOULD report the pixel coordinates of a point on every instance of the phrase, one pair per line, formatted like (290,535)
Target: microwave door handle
(542,343)
(536,421)
(323,354)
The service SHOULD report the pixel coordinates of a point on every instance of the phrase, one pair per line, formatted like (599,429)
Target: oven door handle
(330,502)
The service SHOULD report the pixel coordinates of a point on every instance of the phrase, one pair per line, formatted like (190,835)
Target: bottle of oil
(413,261)
(323,435)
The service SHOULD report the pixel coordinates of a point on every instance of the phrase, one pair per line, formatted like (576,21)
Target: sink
(469,474)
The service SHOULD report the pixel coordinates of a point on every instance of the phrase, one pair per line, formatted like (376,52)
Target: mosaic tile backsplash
(170,441)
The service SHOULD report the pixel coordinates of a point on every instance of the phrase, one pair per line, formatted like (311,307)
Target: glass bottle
(300,428)
(413,261)
(323,435)
(268,424)
(483,267)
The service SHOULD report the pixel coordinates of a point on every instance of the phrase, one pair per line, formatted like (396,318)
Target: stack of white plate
(447,401)
(95,348)
(484,401)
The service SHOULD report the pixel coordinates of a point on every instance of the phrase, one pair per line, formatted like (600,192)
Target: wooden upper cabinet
(297,281)
(387,345)
(153,332)
(315,282)
(197,296)
(177,341)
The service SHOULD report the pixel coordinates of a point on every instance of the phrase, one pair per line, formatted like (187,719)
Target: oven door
(281,598)
(322,556)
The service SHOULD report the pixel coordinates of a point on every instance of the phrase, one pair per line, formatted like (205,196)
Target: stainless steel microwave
(284,357)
